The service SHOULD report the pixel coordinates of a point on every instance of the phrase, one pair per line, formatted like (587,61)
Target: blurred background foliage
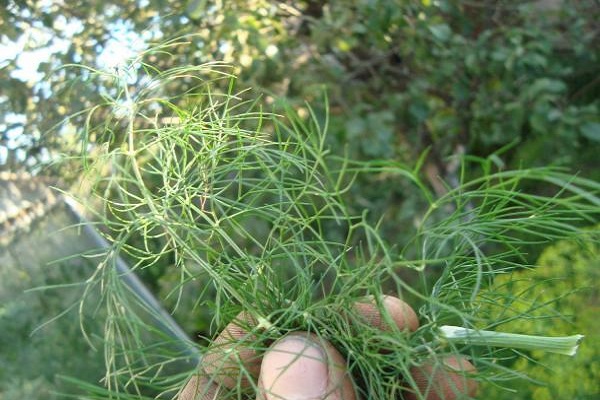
(402,77)
(35,354)
(567,271)
(518,79)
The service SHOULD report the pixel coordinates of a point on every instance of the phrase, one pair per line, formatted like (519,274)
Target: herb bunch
(252,211)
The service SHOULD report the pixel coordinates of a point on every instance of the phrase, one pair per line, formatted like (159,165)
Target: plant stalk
(561,345)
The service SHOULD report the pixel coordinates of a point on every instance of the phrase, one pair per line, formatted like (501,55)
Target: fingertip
(294,366)
(199,387)
(401,313)
(229,360)
(303,366)
(445,378)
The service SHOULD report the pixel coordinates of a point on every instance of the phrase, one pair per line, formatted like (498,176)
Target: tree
(401,77)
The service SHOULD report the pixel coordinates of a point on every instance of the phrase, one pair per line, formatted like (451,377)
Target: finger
(303,366)
(199,387)
(398,311)
(446,378)
(229,360)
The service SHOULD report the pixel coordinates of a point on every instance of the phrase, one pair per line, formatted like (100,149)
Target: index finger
(399,312)
(199,387)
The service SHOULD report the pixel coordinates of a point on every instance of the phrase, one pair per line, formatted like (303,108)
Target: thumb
(302,366)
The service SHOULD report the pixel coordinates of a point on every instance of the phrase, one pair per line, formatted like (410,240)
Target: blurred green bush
(40,338)
(567,272)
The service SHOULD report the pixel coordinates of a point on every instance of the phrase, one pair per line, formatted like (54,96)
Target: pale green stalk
(566,345)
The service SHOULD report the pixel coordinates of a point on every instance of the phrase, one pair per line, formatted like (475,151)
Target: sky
(38,44)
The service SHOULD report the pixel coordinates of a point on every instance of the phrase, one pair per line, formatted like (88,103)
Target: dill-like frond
(250,209)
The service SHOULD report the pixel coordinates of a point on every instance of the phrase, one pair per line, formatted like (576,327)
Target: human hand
(302,365)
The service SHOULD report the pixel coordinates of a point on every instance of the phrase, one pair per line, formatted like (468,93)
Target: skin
(445,378)
(298,366)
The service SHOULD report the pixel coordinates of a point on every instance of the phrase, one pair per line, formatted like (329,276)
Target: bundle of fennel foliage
(252,211)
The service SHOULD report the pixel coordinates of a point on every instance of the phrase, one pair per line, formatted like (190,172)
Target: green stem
(562,345)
